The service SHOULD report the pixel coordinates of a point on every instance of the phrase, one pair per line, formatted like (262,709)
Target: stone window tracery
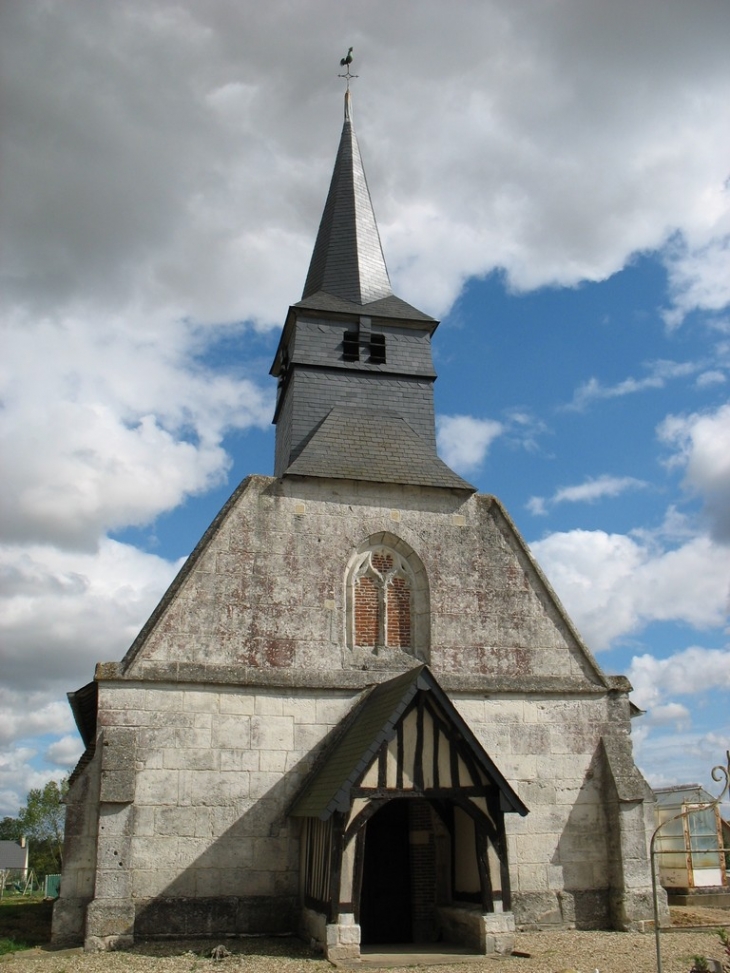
(382,594)
(388,613)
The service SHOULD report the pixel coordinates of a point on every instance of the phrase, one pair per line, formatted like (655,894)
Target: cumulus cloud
(111,424)
(143,162)
(671,714)
(613,585)
(156,174)
(61,612)
(702,444)
(162,179)
(685,731)
(17,777)
(699,275)
(687,673)
(592,490)
(712,377)
(464,441)
(683,756)
(198,182)
(31,714)
(65,752)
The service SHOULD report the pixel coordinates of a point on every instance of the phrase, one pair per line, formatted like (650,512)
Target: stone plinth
(492,932)
(342,939)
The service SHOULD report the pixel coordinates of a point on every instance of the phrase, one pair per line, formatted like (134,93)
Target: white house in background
(13,861)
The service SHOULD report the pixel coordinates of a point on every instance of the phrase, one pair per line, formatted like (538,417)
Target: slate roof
(385,307)
(353,444)
(348,259)
(326,788)
(84,704)
(12,856)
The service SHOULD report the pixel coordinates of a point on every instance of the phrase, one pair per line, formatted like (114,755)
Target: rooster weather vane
(345,63)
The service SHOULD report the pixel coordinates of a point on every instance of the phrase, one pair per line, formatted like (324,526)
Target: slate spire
(348,259)
(354,366)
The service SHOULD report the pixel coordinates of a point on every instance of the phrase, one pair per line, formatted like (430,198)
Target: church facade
(359,712)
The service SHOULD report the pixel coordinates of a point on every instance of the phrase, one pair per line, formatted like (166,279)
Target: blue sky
(553,185)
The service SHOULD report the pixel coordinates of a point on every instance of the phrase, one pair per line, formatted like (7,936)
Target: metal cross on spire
(345,63)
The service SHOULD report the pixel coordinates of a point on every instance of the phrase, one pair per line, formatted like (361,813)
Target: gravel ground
(549,952)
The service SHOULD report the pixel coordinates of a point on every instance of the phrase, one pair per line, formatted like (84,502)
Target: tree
(41,822)
(10,829)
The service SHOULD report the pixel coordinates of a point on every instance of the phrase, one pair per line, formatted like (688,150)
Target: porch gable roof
(360,735)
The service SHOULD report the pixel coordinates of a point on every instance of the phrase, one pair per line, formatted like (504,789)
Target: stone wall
(209,724)
(79,855)
(550,749)
(265,589)
(202,845)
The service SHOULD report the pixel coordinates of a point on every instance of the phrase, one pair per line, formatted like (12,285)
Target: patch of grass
(11,946)
(25,922)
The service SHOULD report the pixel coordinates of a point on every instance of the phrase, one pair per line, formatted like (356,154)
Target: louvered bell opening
(377,349)
(350,346)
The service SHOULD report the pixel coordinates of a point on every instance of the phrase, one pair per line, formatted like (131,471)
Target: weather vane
(345,63)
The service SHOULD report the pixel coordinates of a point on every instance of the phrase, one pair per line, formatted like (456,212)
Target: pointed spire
(348,259)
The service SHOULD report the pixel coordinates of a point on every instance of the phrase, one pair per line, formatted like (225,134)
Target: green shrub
(11,946)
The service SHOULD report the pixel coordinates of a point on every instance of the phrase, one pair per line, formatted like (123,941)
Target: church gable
(321,578)
(493,613)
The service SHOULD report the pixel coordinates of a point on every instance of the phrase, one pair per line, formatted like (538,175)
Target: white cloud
(660,372)
(17,777)
(61,612)
(113,423)
(155,173)
(537,506)
(151,155)
(699,275)
(702,441)
(671,714)
(163,166)
(593,489)
(596,488)
(143,161)
(681,757)
(711,377)
(65,752)
(464,441)
(613,585)
(687,673)
(29,714)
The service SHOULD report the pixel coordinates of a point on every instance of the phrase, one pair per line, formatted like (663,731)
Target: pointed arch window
(387,603)
(382,600)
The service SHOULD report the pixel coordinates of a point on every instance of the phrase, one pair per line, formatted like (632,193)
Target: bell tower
(354,367)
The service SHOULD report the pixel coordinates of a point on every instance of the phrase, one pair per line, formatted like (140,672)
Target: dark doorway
(385,900)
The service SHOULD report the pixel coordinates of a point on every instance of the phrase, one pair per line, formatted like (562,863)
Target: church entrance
(403,831)
(402,846)
(385,899)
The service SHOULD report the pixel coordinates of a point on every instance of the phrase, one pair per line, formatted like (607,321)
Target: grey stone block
(69,918)
(117,786)
(110,918)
